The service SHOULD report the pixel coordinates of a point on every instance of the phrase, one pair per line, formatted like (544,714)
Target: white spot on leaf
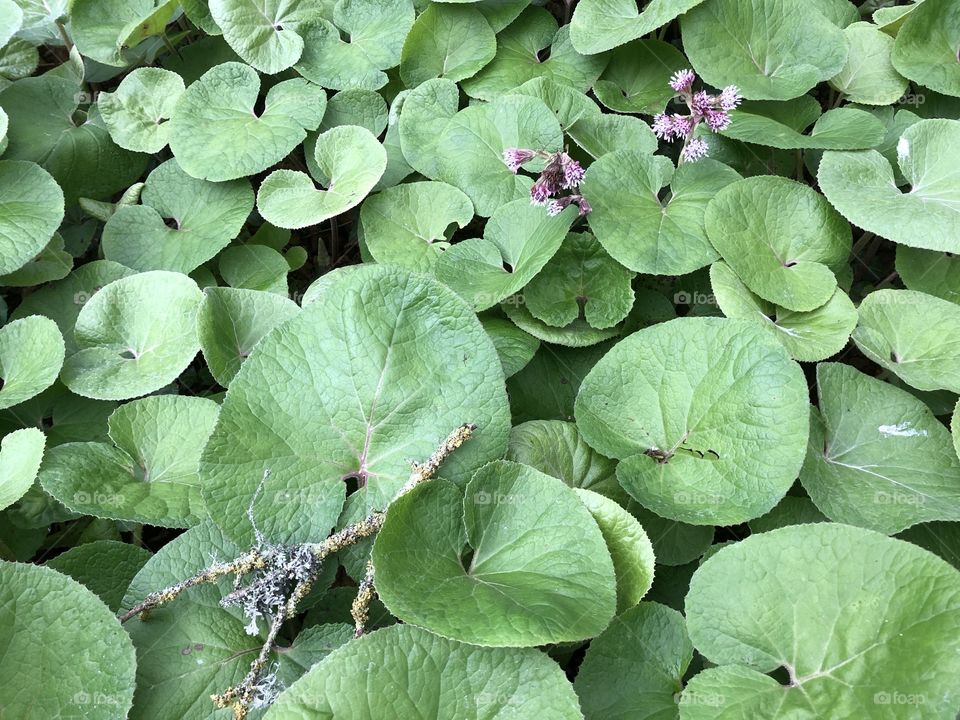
(904,429)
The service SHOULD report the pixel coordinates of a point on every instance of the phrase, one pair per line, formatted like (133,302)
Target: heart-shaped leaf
(448,41)
(136,113)
(267,34)
(599,25)
(926,47)
(20,455)
(31,208)
(869,76)
(31,354)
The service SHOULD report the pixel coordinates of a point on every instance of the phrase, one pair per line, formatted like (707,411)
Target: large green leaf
(518,240)
(514,346)
(448,41)
(637,78)
(106,567)
(136,113)
(425,676)
(914,335)
(864,625)
(217,133)
(265,33)
(206,217)
(20,455)
(933,273)
(599,25)
(105,30)
(877,457)
(780,237)
(512,559)
(769,49)
(350,161)
(634,670)
(31,355)
(708,417)
(148,474)
(65,653)
(869,76)
(11,20)
(839,129)
(134,336)
(424,113)
(640,230)
(51,263)
(379,378)
(926,46)
(861,185)
(31,208)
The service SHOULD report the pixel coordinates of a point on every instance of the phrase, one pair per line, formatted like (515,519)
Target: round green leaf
(708,417)
(136,113)
(106,567)
(647,645)
(637,78)
(869,76)
(518,58)
(422,675)
(134,336)
(769,49)
(518,240)
(20,455)
(514,346)
(149,474)
(265,33)
(381,380)
(206,216)
(780,237)
(577,334)
(31,208)
(217,134)
(912,334)
(407,224)
(674,543)
(877,457)
(105,30)
(66,653)
(628,544)
(350,160)
(232,321)
(839,129)
(31,355)
(861,185)
(424,113)
(51,263)
(512,559)
(449,41)
(933,273)
(926,46)
(640,230)
(254,267)
(365,108)
(580,275)
(837,607)
(599,25)
(807,336)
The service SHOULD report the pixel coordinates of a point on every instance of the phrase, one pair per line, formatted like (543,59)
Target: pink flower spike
(572,172)
(730,97)
(695,149)
(701,102)
(663,126)
(682,80)
(540,193)
(682,125)
(513,158)
(717,120)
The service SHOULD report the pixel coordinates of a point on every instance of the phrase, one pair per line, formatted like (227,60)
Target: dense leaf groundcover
(462,360)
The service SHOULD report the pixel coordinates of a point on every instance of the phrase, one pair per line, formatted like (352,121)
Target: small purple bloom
(554,208)
(663,126)
(701,102)
(730,97)
(717,120)
(682,81)
(682,125)
(513,158)
(540,192)
(572,172)
(695,149)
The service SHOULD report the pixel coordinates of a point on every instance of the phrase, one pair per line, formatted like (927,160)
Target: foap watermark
(495,498)
(882,497)
(694,497)
(98,498)
(912,99)
(96,698)
(693,297)
(693,697)
(898,698)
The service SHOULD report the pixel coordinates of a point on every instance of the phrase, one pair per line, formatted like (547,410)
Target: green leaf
(31,208)
(708,417)
(66,653)
(51,263)
(267,34)
(518,240)
(861,185)
(877,457)
(365,108)
(20,455)
(599,25)
(837,607)
(926,46)
(448,41)
(18,59)
(105,30)
(514,548)
(38,19)
(31,354)
(380,381)
(424,113)
(206,217)
(194,648)
(470,148)
(407,224)
(789,511)
(217,134)
(350,160)
(254,267)
(780,237)
(420,674)
(636,227)
(602,133)
(807,336)
(839,129)
(148,474)
(769,49)
(232,321)
(869,76)
(106,567)
(136,113)
(517,59)
(628,544)
(11,20)
(577,334)
(940,538)
(637,78)
(581,275)
(134,336)
(647,645)
(515,347)
(933,273)
(911,334)
(674,543)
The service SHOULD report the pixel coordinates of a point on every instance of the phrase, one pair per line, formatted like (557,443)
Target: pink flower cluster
(712,110)
(560,173)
